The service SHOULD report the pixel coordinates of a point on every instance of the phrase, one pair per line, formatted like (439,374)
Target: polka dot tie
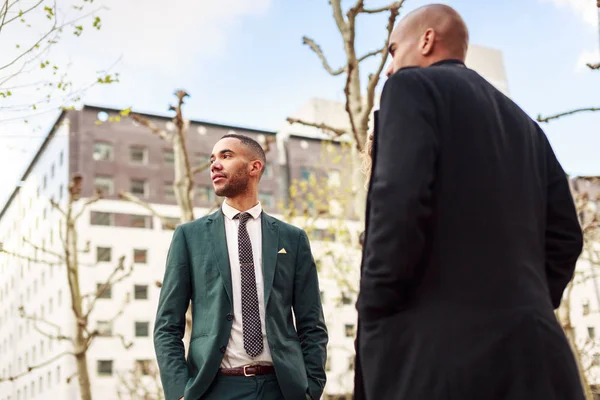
(251,325)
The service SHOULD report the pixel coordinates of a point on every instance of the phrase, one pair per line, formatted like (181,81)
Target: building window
(169,191)
(333,178)
(61,158)
(104,292)
(104,184)
(140,221)
(52,171)
(205,194)
(144,366)
(266,200)
(105,367)
(103,254)
(586,307)
(169,157)
(138,155)
(349,330)
(140,292)
(306,173)
(142,329)
(138,187)
(591,332)
(45,182)
(335,208)
(60,192)
(104,328)
(101,218)
(103,151)
(140,256)
(346,299)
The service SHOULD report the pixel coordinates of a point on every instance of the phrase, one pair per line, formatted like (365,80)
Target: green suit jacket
(198,269)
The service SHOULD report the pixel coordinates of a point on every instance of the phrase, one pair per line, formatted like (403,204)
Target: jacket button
(222,349)
(229,317)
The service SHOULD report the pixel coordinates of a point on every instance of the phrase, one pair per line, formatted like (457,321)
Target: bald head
(427,35)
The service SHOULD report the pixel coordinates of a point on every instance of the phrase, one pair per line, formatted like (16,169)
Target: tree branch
(27,258)
(44,250)
(126,345)
(97,197)
(593,66)
(136,200)
(322,126)
(35,320)
(20,14)
(392,7)
(54,28)
(319,52)
(550,118)
(110,282)
(37,366)
(4,12)
(338,15)
(56,206)
(151,125)
(374,53)
(201,167)
(374,78)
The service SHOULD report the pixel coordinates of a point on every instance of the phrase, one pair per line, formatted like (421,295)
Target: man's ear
(427,42)
(256,167)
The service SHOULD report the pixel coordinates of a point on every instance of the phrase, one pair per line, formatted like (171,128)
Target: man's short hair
(255,147)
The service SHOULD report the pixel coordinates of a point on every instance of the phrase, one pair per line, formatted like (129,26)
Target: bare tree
(320,205)
(82,304)
(586,193)
(141,383)
(359,102)
(32,81)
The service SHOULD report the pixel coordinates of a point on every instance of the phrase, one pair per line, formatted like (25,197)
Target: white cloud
(585,9)
(585,57)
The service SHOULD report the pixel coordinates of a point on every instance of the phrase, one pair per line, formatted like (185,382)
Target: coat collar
(270,242)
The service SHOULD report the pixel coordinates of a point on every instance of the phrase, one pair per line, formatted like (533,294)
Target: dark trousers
(260,387)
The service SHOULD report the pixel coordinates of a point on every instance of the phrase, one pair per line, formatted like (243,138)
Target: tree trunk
(83,375)
(183,184)
(81,345)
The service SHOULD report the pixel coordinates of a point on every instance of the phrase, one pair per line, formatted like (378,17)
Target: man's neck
(242,203)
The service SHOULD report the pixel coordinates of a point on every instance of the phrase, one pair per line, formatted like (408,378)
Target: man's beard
(237,184)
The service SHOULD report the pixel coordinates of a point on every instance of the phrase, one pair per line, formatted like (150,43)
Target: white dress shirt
(235,355)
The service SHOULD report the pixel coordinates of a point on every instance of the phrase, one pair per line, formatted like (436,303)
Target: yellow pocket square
(282,251)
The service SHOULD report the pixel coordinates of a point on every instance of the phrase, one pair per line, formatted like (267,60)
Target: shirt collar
(231,212)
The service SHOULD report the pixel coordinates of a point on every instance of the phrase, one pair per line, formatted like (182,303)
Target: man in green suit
(249,277)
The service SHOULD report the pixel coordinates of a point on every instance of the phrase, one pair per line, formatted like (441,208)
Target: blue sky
(243,63)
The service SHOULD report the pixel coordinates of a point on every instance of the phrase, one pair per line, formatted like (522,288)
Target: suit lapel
(270,240)
(216,226)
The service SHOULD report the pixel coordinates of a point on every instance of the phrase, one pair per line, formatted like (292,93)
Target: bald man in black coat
(471,235)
